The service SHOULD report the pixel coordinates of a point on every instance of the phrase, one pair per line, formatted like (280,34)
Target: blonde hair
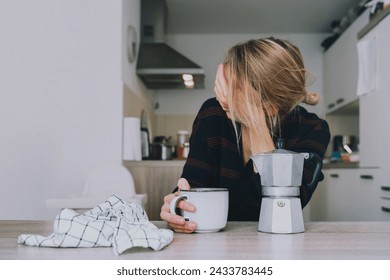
(266,73)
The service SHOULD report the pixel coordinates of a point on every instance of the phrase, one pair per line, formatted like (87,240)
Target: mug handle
(175,201)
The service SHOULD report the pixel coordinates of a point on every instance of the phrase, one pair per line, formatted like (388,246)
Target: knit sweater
(216,160)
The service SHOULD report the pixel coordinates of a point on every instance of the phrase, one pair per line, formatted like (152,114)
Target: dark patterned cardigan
(216,161)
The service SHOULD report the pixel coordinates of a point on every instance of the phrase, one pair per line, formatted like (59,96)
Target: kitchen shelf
(373,22)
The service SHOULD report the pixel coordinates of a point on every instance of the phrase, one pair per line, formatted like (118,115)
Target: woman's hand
(176,222)
(220,88)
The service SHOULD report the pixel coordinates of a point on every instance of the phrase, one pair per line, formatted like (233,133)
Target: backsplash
(134,105)
(342,125)
(168,125)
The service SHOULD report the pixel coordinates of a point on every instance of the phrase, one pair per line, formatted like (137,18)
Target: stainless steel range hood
(159,65)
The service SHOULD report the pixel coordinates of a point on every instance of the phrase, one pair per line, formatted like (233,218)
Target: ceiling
(254,16)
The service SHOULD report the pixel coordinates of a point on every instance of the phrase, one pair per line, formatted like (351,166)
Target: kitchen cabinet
(349,194)
(385,200)
(156,178)
(335,197)
(371,129)
(341,67)
(373,124)
(369,195)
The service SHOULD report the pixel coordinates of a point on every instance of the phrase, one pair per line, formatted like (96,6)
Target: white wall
(131,15)
(208,50)
(61,99)
(141,98)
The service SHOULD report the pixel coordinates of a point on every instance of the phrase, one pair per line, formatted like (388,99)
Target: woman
(258,91)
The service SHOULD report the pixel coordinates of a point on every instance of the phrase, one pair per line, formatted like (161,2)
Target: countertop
(180,163)
(238,241)
(340,164)
(155,163)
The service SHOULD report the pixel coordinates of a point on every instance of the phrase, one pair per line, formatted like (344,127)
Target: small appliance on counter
(343,146)
(161,149)
(145,144)
(281,177)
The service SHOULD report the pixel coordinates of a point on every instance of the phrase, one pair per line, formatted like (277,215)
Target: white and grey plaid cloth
(112,223)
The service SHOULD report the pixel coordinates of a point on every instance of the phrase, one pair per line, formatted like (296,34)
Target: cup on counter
(211,204)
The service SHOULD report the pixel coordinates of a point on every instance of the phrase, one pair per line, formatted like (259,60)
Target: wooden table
(238,241)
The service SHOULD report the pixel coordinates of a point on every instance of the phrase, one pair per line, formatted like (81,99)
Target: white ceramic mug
(212,205)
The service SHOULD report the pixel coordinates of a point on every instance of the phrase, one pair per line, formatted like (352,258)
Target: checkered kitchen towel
(111,223)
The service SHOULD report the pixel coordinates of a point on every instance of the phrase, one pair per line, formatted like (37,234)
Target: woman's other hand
(176,222)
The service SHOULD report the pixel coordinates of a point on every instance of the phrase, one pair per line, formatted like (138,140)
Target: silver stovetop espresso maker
(281,177)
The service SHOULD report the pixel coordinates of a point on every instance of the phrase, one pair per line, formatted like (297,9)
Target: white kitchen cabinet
(369,198)
(352,194)
(374,105)
(341,67)
(335,197)
(385,202)
(371,130)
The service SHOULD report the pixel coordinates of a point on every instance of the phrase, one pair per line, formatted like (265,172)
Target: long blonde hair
(266,73)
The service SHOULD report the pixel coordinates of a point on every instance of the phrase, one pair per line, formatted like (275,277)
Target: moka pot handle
(317,171)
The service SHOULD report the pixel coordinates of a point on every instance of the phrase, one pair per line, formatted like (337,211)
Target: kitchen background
(67,83)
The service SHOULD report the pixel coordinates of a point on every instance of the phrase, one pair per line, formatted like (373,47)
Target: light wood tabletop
(238,241)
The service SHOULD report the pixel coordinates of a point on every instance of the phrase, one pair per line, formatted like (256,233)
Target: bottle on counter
(186,149)
(183,145)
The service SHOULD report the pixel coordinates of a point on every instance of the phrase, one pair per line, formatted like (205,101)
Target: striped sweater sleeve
(201,164)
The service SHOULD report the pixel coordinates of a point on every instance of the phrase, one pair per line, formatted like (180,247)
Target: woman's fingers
(177,222)
(183,184)
(188,227)
(182,204)
(166,215)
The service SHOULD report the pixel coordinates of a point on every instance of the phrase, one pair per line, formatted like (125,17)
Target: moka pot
(281,177)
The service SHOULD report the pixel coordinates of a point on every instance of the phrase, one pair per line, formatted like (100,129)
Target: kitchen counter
(155,163)
(340,164)
(239,240)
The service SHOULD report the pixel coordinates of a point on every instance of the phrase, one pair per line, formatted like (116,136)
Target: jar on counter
(182,137)
(183,145)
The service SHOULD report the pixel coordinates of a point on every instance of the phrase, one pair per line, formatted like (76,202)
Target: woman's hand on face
(220,88)
(176,222)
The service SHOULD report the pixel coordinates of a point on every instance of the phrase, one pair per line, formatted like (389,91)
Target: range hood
(160,66)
